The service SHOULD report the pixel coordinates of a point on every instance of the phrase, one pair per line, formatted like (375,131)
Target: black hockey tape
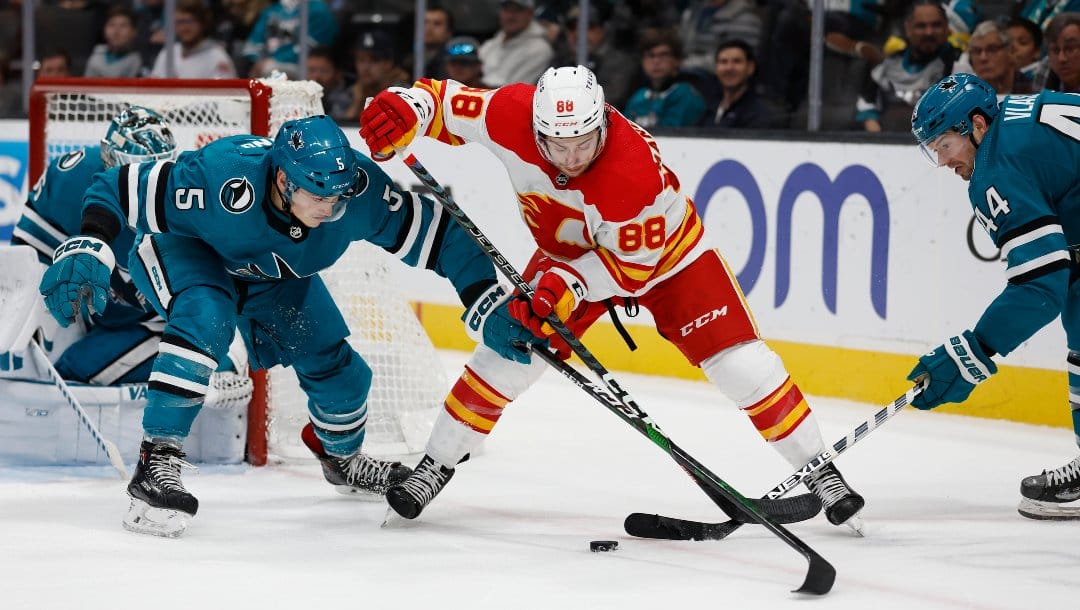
(598,546)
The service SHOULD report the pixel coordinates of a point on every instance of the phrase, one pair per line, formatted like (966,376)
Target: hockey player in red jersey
(612,226)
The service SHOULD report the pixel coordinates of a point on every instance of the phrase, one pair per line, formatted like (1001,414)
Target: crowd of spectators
(671,63)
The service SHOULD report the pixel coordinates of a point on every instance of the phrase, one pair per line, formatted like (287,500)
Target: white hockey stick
(108,446)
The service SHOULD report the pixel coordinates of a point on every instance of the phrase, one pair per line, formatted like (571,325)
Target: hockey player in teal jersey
(233,236)
(120,343)
(1020,160)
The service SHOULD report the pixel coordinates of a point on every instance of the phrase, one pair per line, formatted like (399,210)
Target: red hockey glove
(559,291)
(390,121)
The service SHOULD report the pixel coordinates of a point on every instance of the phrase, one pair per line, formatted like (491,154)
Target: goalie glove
(954,368)
(78,278)
(392,119)
(487,321)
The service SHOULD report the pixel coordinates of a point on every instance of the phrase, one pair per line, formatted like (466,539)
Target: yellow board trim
(1020,394)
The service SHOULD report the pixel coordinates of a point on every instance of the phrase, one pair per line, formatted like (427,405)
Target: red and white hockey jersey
(624,225)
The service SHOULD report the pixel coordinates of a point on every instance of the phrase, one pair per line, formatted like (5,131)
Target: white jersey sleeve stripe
(30,214)
(425,260)
(131,173)
(33,242)
(1030,236)
(1035,263)
(414,228)
(151,197)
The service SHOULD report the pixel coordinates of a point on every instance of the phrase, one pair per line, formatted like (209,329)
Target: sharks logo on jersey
(237,195)
(283,270)
(70,160)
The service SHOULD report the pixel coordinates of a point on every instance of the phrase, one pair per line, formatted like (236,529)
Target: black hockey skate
(1053,494)
(160,506)
(841,502)
(409,498)
(357,474)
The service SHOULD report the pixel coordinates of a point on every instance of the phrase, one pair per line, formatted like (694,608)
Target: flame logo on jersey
(558,228)
(237,195)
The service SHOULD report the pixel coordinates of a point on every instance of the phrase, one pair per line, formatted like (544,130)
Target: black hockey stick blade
(782,510)
(819,577)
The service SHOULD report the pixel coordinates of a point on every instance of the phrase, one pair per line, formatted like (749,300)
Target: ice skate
(358,473)
(841,502)
(160,506)
(410,497)
(1052,495)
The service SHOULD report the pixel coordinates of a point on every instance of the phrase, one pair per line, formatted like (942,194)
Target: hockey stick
(820,574)
(645,525)
(105,444)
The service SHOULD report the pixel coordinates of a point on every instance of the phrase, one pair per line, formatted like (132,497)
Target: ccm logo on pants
(702,320)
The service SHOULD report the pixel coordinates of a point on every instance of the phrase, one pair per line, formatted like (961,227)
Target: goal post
(409,381)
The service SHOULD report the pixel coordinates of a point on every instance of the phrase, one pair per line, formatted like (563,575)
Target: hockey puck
(599,546)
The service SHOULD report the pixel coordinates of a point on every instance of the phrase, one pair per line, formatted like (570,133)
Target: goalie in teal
(233,236)
(120,343)
(1020,160)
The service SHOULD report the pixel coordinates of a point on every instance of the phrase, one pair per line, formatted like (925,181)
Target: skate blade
(142,518)
(360,495)
(857,525)
(1048,511)
(392,520)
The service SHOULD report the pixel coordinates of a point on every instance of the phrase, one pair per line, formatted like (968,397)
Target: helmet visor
(938,149)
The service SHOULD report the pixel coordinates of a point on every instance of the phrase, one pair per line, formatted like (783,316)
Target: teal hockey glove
(78,277)
(488,320)
(955,368)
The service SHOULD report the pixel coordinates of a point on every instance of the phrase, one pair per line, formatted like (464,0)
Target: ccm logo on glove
(90,244)
(483,306)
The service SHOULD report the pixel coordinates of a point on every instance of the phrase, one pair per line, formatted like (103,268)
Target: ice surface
(512,529)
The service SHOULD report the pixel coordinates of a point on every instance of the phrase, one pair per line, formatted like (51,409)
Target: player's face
(573,155)
(954,151)
(311,209)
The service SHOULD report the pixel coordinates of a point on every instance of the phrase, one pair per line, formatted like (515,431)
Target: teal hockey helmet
(949,105)
(137,135)
(315,156)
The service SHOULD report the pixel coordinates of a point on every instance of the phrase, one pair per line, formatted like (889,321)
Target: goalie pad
(37,428)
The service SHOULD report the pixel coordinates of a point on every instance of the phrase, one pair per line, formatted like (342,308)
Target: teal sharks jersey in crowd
(1025,191)
(220,194)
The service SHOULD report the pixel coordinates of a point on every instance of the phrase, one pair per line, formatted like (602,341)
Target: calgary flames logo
(559,229)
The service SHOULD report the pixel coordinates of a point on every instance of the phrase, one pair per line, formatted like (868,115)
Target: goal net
(409,381)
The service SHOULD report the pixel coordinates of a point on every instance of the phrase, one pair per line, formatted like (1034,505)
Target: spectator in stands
(892,88)
(463,62)
(988,52)
(668,100)
(117,58)
(519,52)
(438,30)
(374,59)
(235,26)
(150,23)
(274,43)
(737,105)
(337,98)
(54,63)
(615,68)
(707,23)
(1026,44)
(1042,12)
(194,55)
(1063,53)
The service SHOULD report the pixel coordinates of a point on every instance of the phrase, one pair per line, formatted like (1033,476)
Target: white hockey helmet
(568,102)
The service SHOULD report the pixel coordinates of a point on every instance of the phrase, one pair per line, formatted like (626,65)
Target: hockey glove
(391,120)
(488,321)
(955,368)
(78,278)
(558,292)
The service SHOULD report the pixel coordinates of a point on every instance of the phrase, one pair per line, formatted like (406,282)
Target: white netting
(409,381)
